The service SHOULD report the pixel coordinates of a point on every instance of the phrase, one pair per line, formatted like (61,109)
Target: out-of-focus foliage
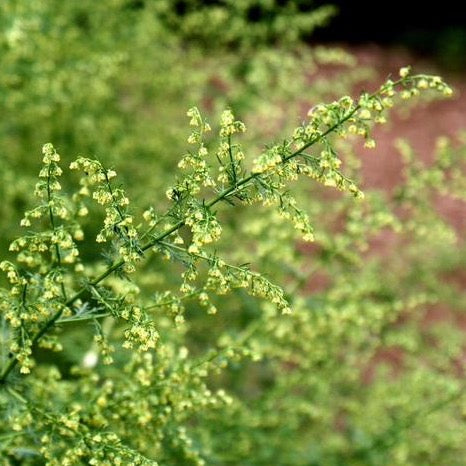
(242,23)
(180,313)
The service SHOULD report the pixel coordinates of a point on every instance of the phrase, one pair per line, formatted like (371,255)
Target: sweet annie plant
(192,340)
(236,310)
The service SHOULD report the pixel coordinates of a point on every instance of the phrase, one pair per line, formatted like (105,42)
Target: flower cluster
(194,163)
(204,226)
(230,155)
(118,223)
(142,331)
(59,239)
(221,279)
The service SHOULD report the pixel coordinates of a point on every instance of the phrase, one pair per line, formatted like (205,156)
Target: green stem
(52,223)
(232,161)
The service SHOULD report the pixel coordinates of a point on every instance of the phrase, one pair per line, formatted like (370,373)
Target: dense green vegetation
(191,277)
